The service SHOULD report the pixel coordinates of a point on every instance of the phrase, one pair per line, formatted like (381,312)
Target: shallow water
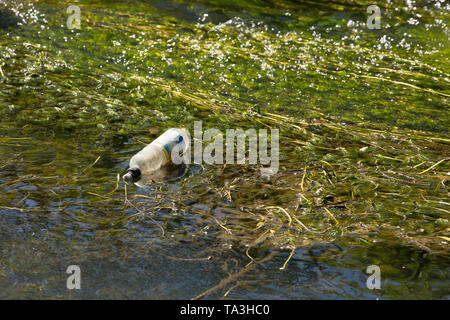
(75,105)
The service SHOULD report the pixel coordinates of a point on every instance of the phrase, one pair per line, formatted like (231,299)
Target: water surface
(363,117)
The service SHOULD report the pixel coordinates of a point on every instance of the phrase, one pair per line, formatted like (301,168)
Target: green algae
(363,119)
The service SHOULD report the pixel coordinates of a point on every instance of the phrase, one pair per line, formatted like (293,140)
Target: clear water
(75,105)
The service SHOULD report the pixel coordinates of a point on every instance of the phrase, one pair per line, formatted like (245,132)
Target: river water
(363,113)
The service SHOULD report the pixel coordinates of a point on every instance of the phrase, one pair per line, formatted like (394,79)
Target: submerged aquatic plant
(363,119)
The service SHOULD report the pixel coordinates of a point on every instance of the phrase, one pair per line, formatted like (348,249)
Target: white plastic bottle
(155,155)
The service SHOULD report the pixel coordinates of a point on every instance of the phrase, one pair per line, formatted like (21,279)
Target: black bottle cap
(133,175)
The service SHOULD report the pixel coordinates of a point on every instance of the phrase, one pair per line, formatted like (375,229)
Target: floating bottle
(155,155)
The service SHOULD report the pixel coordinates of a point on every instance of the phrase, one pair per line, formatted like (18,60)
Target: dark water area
(364,149)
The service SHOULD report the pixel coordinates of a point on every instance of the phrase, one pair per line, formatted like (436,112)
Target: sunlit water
(77,104)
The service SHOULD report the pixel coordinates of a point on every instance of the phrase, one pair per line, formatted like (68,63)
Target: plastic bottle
(154,156)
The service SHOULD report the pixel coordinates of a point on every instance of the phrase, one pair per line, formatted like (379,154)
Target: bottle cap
(133,175)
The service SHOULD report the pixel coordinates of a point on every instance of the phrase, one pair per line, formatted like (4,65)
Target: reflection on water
(76,105)
(165,174)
